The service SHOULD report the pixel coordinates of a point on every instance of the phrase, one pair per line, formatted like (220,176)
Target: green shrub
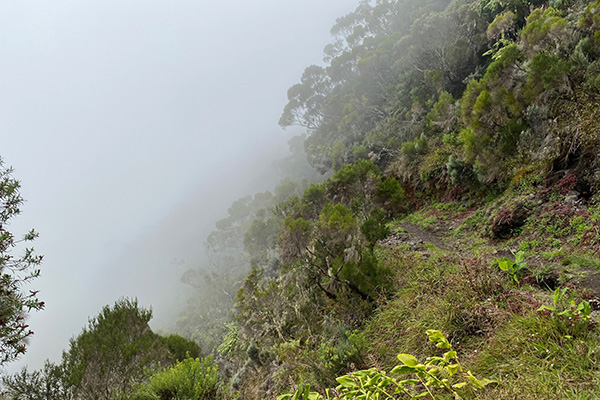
(545,28)
(434,378)
(351,173)
(341,353)
(514,269)
(546,72)
(391,195)
(570,316)
(190,379)
(374,228)
(182,348)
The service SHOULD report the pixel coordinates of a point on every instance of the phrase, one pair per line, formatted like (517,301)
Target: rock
(509,220)
(572,196)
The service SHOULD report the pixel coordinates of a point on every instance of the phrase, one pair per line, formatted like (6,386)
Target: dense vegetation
(459,147)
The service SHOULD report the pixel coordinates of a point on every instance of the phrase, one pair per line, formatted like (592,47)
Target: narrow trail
(416,238)
(424,236)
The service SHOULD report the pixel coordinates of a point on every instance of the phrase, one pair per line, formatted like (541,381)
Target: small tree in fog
(116,350)
(45,384)
(15,272)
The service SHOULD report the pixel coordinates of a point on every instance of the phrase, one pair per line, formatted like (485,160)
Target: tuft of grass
(582,260)
(456,295)
(421,220)
(533,359)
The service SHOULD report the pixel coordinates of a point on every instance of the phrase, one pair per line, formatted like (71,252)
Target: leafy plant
(566,305)
(513,268)
(190,379)
(437,374)
(18,267)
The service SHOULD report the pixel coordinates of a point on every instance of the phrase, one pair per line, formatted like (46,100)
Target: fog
(132,126)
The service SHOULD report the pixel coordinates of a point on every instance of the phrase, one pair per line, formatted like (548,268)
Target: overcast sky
(135,121)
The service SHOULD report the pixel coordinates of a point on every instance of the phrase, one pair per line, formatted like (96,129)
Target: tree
(45,384)
(115,351)
(15,272)
(306,99)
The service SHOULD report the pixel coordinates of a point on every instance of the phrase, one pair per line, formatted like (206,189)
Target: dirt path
(415,238)
(424,236)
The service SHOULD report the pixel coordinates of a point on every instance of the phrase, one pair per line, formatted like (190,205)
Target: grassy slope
(444,256)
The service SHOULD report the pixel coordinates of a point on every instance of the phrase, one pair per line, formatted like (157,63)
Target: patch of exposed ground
(415,238)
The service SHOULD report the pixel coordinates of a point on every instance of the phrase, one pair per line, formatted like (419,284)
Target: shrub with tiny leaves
(15,271)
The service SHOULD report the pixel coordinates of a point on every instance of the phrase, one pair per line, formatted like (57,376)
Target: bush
(353,172)
(374,228)
(16,272)
(182,348)
(190,379)
(437,378)
(391,195)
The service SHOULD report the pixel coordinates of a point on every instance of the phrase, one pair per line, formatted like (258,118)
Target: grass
(492,323)
(421,220)
(582,260)
(443,292)
(534,360)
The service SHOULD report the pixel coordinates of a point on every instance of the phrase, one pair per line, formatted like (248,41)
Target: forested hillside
(455,217)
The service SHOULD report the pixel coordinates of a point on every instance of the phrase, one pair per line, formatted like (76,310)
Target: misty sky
(132,125)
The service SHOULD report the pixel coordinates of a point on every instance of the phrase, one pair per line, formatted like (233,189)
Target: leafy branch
(411,379)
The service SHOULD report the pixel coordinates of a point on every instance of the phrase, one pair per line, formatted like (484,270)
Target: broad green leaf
(385,382)
(479,383)
(504,264)
(450,355)
(408,360)
(519,257)
(346,381)
(556,296)
(421,367)
(434,360)
(403,369)
(585,308)
(438,338)
(452,369)
(459,385)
